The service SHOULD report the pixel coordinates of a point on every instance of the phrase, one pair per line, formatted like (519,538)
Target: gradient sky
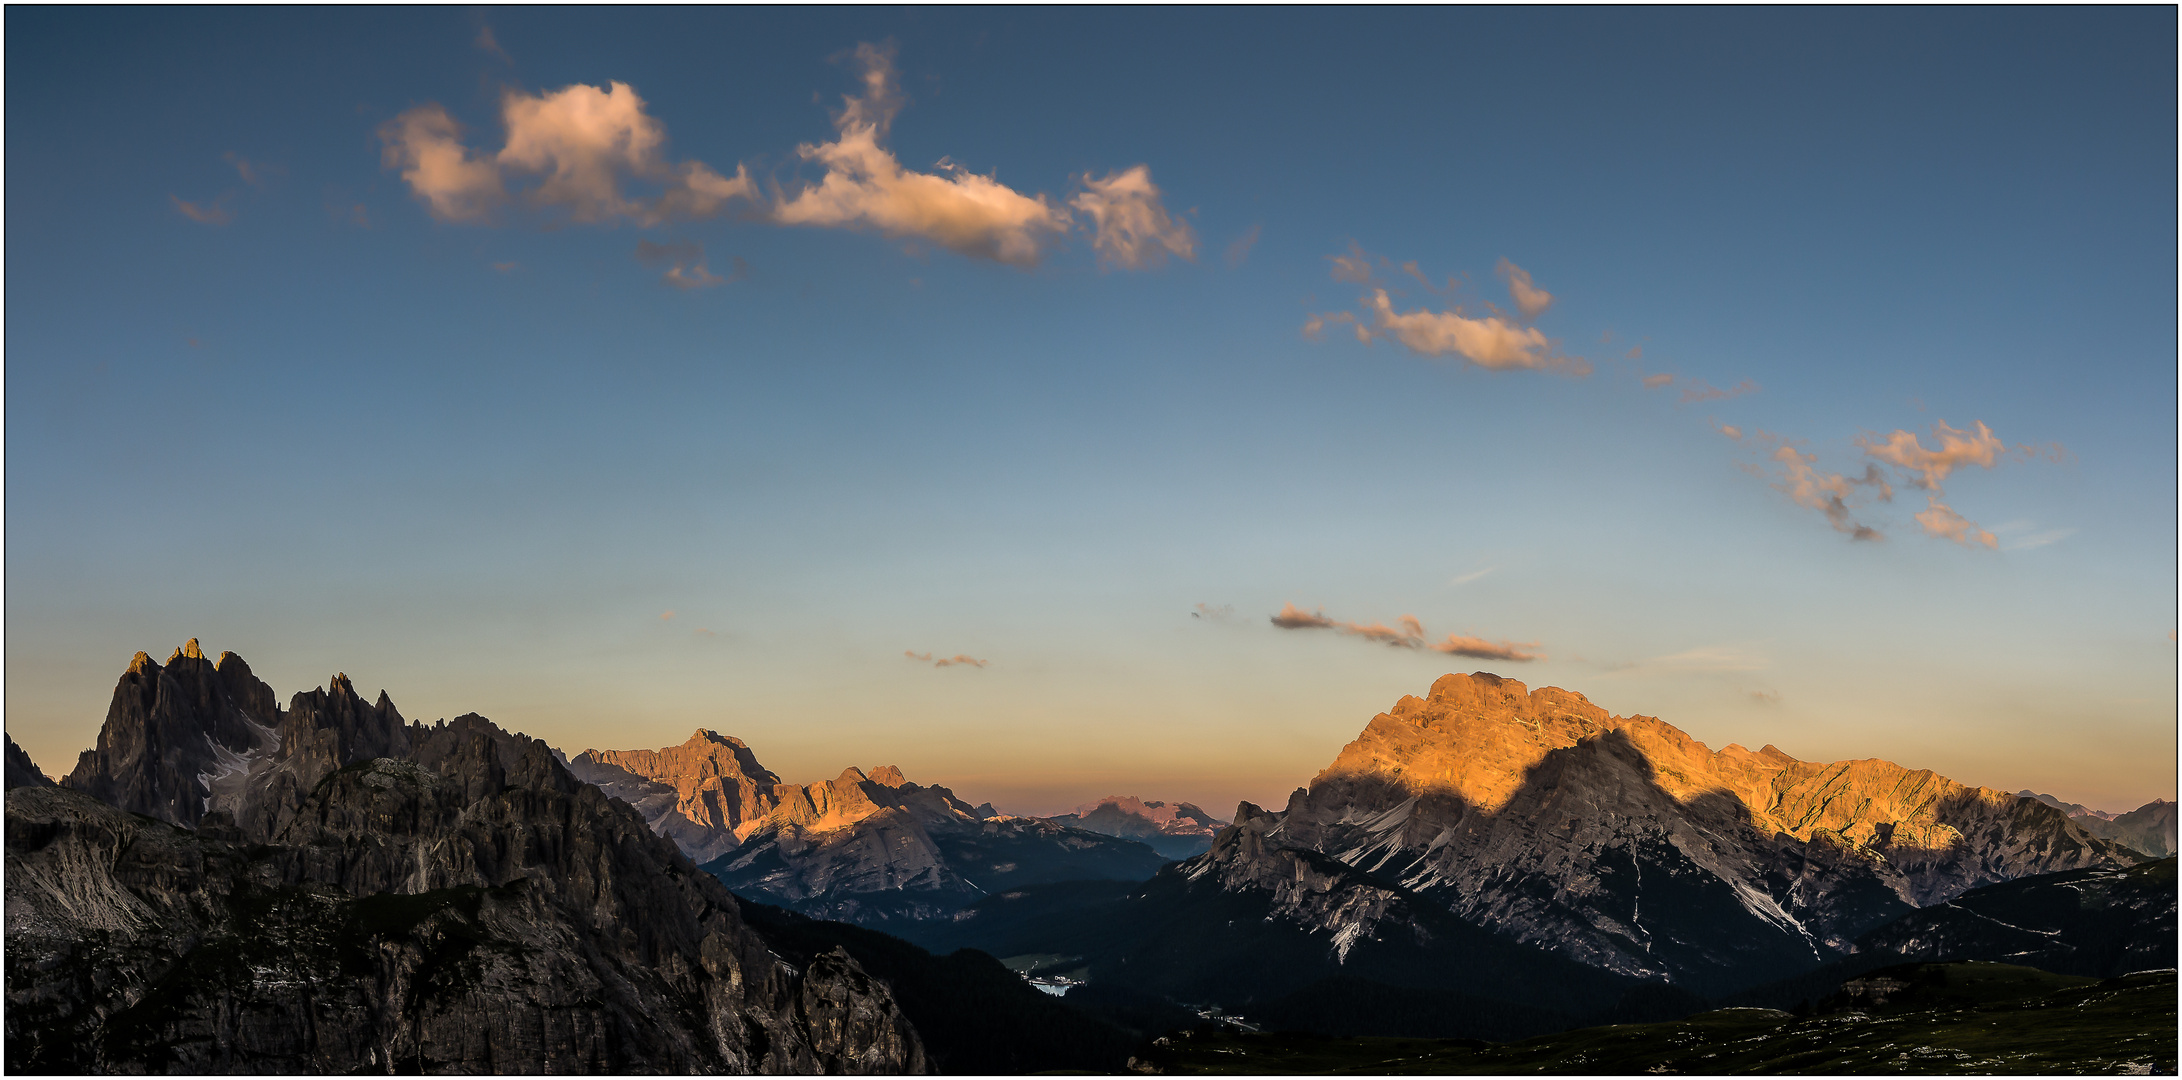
(405,343)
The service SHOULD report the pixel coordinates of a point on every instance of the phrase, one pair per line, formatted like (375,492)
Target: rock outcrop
(463,904)
(1625,844)
(1176,830)
(22,772)
(869,847)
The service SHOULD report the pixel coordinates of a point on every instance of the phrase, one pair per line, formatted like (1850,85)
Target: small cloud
(490,45)
(1941,520)
(1130,227)
(2036,539)
(702,632)
(1699,390)
(359,216)
(1354,266)
(1465,579)
(957,660)
(1292,617)
(1481,649)
(1729,430)
(1954,449)
(1765,697)
(685,264)
(212,213)
(1711,658)
(1828,493)
(1491,341)
(581,144)
(1223,613)
(253,173)
(1530,301)
(1695,390)
(506,267)
(193,343)
(1240,249)
(865,186)
(1636,352)
(1406,633)
(666,616)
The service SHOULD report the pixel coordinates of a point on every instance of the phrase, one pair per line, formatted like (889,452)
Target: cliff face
(466,905)
(1623,843)
(866,847)
(705,795)
(190,738)
(1175,830)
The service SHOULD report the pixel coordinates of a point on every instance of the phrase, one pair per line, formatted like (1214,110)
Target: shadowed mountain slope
(872,847)
(464,905)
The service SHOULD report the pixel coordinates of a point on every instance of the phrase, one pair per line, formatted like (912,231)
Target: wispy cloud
(1696,390)
(1131,228)
(666,616)
(1765,697)
(595,155)
(1952,449)
(211,213)
(685,264)
(1530,300)
(1406,633)
(865,186)
(1465,579)
(490,45)
(1940,519)
(2033,536)
(1492,341)
(1828,493)
(1240,249)
(254,173)
(1707,658)
(957,660)
(1222,613)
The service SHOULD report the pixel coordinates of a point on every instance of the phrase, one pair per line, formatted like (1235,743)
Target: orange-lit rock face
(1478,737)
(1624,843)
(706,794)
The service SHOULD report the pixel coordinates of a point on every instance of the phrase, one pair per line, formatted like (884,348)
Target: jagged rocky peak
(705,795)
(468,906)
(21,771)
(191,737)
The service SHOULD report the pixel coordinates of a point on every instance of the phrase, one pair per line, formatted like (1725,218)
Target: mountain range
(868,847)
(1616,845)
(1176,831)
(2149,828)
(222,883)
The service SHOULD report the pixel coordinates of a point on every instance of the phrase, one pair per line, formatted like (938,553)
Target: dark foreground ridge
(1920,1018)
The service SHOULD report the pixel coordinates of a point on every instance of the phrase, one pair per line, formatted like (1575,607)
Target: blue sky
(263,390)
